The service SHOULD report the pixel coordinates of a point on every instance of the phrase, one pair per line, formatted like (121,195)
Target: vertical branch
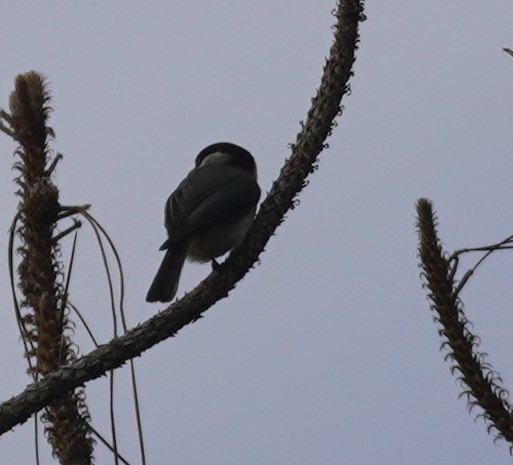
(44,318)
(480,382)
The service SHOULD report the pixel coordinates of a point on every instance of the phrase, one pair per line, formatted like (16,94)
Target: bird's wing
(209,196)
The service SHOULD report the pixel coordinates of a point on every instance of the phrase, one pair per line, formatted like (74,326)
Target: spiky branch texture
(44,318)
(309,143)
(480,382)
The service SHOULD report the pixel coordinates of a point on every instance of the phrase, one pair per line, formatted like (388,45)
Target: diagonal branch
(481,384)
(309,143)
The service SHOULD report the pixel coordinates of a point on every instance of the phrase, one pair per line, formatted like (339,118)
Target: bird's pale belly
(219,239)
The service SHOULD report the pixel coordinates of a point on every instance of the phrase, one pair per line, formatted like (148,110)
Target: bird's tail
(165,284)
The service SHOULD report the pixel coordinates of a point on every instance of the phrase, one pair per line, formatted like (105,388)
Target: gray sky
(326,353)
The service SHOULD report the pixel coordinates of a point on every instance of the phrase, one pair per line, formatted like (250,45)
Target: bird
(208,214)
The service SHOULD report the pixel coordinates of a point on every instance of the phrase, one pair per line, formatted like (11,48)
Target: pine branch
(309,143)
(481,384)
(44,321)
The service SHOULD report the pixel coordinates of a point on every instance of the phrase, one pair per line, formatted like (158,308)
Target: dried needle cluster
(43,320)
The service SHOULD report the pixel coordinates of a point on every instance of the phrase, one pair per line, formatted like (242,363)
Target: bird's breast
(219,239)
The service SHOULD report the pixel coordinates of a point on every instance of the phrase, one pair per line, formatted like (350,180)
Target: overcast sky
(325,353)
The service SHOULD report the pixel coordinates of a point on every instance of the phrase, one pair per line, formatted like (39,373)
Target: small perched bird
(208,214)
